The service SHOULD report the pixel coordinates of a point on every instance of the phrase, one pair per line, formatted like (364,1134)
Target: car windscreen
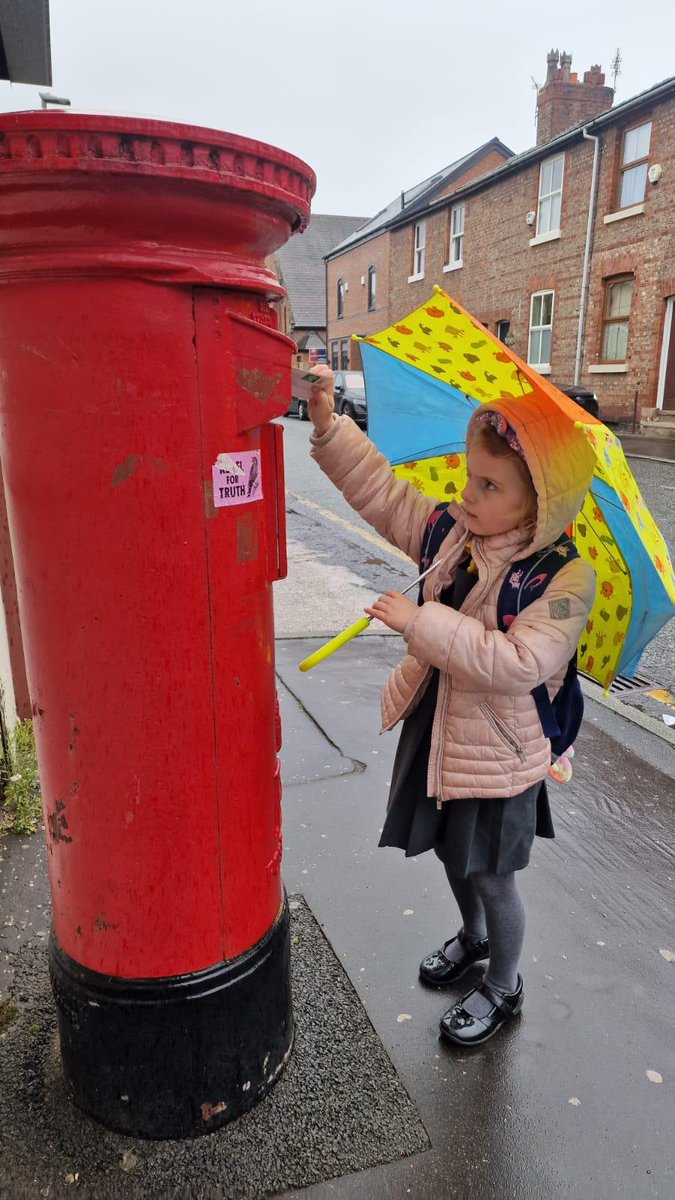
(354,381)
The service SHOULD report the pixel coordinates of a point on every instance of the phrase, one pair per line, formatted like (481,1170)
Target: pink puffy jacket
(487,739)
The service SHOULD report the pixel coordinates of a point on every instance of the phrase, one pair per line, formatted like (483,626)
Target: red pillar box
(141,368)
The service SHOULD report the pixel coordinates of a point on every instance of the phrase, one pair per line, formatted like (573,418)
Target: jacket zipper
(440,727)
(442,713)
(502,730)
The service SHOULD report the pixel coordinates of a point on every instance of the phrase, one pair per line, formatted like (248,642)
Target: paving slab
(567,1102)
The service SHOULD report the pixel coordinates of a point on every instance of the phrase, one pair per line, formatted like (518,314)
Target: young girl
(472,757)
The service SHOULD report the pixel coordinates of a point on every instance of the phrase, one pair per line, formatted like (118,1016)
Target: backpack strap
(525,583)
(530,577)
(437,529)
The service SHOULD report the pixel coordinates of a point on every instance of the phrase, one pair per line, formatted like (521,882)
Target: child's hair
(494,443)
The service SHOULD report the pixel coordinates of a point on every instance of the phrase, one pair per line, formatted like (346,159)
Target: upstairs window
(340,298)
(456,240)
(550,195)
(541,328)
(419,234)
(616,317)
(634,164)
(372,288)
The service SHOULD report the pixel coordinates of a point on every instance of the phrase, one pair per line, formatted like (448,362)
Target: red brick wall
(492,160)
(501,270)
(353,265)
(561,105)
(642,245)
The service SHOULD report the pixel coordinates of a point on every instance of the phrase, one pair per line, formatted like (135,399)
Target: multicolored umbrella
(424,377)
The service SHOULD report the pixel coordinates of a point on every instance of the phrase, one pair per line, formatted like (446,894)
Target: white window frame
(543,368)
(550,232)
(621,319)
(628,168)
(456,238)
(419,243)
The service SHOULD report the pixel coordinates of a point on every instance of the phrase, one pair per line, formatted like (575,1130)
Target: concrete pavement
(640,445)
(574,1100)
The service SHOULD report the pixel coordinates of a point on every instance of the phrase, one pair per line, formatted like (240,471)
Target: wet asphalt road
(338,545)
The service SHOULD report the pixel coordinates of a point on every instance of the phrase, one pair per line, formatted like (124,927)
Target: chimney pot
(552,59)
(566,98)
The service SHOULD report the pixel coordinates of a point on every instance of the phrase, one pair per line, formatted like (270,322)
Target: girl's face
(496,498)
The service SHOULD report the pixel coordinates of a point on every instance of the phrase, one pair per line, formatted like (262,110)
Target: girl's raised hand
(321,403)
(394,610)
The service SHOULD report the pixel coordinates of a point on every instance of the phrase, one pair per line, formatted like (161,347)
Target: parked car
(298,408)
(349,395)
(584,397)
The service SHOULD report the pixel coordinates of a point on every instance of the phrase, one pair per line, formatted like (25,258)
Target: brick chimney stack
(565,100)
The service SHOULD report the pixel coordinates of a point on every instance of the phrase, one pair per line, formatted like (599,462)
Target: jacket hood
(559,457)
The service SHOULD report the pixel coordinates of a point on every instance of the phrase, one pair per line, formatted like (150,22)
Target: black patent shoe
(460,1027)
(439,971)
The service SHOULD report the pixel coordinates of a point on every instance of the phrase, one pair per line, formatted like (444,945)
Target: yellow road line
(663,696)
(362,533)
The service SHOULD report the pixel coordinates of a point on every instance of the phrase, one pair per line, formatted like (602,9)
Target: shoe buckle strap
(495,998)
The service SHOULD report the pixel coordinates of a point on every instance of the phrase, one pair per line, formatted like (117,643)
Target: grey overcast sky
(374,94)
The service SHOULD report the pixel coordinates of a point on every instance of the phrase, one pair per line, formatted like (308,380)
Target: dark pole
(635,405)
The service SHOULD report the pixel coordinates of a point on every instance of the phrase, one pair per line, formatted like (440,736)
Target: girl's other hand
(394,610)
(321,403)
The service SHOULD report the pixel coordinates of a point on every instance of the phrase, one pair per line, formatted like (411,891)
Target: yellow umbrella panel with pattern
(424,377)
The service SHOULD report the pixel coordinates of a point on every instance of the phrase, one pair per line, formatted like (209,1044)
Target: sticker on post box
(237,478)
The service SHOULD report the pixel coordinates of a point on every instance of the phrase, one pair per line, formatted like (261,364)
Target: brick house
(358,269)
(299,265)
(567,250)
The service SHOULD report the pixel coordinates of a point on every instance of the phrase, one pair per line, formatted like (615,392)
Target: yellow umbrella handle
(335,644)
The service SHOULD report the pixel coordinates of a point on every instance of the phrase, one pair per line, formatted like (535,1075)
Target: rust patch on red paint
(209,1111)
(258,384)
(36,710)
(247,538)
(57,823)
(126,469)
(210,509)
(101,924)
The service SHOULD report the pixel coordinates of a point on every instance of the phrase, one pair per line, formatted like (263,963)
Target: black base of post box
(177,1056)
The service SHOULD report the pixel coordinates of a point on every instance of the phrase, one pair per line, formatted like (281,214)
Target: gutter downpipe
(587,253)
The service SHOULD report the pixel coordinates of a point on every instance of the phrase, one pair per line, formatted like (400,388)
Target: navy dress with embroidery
(469,835)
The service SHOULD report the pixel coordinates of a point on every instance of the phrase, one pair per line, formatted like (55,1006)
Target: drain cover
(623,684)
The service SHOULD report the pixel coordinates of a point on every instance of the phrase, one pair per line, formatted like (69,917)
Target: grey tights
(491,905)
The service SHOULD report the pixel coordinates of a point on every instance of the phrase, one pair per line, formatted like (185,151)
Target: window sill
(633,211)
(608,369)
(545,237)
(414,278)
(541,368)
(454,266)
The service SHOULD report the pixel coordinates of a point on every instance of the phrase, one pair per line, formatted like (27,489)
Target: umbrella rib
(620,565)
(520,380)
